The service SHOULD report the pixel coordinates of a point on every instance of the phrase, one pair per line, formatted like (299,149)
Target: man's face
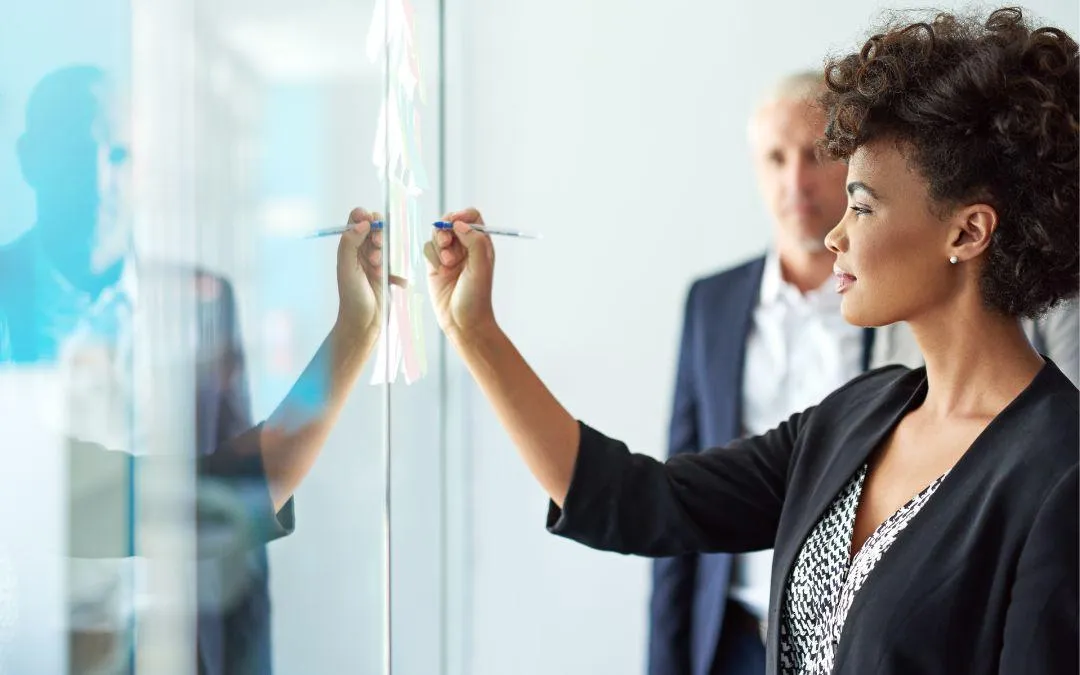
(80,171)
(804,195)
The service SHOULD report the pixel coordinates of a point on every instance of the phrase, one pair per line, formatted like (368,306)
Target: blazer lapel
(728,325)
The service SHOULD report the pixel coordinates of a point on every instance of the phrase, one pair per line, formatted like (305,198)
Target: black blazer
(983,580)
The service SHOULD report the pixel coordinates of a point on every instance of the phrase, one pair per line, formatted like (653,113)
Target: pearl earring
(954,260)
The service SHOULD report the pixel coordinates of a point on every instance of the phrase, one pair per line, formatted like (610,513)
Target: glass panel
(286,105)
(96,535)
(418,505)
(169,157)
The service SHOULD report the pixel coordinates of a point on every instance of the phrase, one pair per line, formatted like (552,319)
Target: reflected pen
(341,229)
(439,225)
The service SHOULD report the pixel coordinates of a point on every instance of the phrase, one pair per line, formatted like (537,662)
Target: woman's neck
(977,361)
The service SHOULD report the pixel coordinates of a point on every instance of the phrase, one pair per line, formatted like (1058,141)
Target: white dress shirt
(94,359)
(799,349)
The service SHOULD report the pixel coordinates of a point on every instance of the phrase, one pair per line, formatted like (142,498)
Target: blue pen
(444,225)
(439,225)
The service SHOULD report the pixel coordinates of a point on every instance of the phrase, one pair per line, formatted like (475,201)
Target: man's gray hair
(806,85)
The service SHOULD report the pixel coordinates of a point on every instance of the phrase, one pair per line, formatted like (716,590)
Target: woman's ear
(972,227)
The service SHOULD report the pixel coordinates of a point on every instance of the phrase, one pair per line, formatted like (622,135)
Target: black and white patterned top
(824,580)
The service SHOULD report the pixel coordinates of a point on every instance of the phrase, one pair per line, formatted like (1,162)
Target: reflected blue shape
(74,156)
(309,397)
(72,274)
(37,38)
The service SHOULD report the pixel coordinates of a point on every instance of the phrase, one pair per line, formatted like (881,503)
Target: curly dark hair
(986,111)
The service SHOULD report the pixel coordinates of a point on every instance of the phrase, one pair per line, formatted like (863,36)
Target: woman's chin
(854,314)
(857,314)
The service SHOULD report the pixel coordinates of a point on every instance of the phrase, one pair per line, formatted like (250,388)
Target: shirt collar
(127,286)
(775,288)
(772,279)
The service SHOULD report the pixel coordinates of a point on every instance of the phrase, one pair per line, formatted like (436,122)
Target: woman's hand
(461,265)
(360,277)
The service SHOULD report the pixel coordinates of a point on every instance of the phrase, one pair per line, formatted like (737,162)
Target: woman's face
(892,251)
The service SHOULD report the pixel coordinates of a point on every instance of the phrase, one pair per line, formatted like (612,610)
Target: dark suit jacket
(984,581)
(234,616)
(690,592)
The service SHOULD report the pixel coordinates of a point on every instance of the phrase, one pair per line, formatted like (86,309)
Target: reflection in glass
(125,371)
(156,301)
(285,110)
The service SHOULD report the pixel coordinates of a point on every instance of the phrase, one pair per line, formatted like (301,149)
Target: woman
(924,521)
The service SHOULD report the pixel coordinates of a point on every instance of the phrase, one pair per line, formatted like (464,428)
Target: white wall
(616,128)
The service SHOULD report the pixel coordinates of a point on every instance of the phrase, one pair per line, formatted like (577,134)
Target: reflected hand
(360,276)
(461,266)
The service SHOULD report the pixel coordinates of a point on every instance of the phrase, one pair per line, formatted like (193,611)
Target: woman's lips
(844,281)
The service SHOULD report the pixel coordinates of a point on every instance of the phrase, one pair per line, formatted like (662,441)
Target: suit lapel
(728,323)
(727,320)
(747,299)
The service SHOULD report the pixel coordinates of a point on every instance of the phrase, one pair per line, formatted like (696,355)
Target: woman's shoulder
(894,374)
(1051,396)
(1038,433)
(1030,452)
(1046,418)
(889,387)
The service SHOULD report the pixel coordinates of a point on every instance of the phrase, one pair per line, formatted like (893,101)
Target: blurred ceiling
(291,40)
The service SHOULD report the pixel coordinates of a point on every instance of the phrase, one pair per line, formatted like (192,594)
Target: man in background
(761,341)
